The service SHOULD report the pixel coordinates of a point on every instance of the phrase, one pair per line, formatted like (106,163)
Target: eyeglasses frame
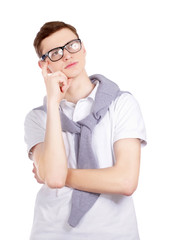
(63,47)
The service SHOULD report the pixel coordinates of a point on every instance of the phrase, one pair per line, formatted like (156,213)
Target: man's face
(71,64)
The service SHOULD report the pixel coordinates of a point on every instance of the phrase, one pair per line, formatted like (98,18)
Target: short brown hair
(47,29)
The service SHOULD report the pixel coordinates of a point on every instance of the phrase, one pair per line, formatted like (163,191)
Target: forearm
(53,161)
(107,180)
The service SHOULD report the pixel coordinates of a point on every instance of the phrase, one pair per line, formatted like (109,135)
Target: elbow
(56,179)
(128,187)
(129,191)
(55,182)
(52,177)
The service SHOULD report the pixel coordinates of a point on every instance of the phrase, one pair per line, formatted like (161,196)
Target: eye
(75,46)
(56,54)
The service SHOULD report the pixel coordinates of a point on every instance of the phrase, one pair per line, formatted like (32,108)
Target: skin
(50,160)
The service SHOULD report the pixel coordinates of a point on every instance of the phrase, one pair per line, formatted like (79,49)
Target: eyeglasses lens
(72,47)
(56,54)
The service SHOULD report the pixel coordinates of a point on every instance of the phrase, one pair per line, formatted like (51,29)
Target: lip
(71,65)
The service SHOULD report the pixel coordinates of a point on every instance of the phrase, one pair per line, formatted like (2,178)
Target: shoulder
(124,102)
(127,118)
(36,115)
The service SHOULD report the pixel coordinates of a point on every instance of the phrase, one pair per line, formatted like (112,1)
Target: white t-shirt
(112,217)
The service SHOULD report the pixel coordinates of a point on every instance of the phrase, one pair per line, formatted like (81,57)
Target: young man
(85,142)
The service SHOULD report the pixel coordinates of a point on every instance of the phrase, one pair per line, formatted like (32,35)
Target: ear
(41,64)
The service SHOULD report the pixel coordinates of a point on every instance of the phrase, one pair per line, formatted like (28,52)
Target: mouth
(71,65)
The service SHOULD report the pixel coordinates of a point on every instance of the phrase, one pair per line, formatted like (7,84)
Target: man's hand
(56,83)
(36,175)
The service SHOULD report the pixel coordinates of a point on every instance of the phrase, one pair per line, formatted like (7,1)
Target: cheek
(82,57)
(83,61)
(54,67)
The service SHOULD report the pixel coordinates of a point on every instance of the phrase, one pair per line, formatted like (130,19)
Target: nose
(66,55)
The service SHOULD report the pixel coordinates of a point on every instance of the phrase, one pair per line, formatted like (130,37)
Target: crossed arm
(122,178)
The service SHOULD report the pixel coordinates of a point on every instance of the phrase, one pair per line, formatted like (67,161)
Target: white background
(132,43)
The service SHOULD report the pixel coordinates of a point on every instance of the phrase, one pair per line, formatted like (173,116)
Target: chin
(73,74)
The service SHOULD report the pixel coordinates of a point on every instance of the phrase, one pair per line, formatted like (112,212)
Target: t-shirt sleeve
(128,119)
(34,129)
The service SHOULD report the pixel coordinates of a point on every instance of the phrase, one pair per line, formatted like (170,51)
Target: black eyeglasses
(56,54)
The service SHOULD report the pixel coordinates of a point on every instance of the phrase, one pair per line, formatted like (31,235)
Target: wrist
(68,179)
(52,103)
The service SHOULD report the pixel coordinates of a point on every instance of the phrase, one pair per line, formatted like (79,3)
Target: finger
(61,80)
(62,76)
(34,170)
(44,70)
(69,81)
(67,85)
(63,88)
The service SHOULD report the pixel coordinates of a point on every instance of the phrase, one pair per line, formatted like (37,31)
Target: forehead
(59,38)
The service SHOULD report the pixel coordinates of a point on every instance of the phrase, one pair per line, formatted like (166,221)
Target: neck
(81,87)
